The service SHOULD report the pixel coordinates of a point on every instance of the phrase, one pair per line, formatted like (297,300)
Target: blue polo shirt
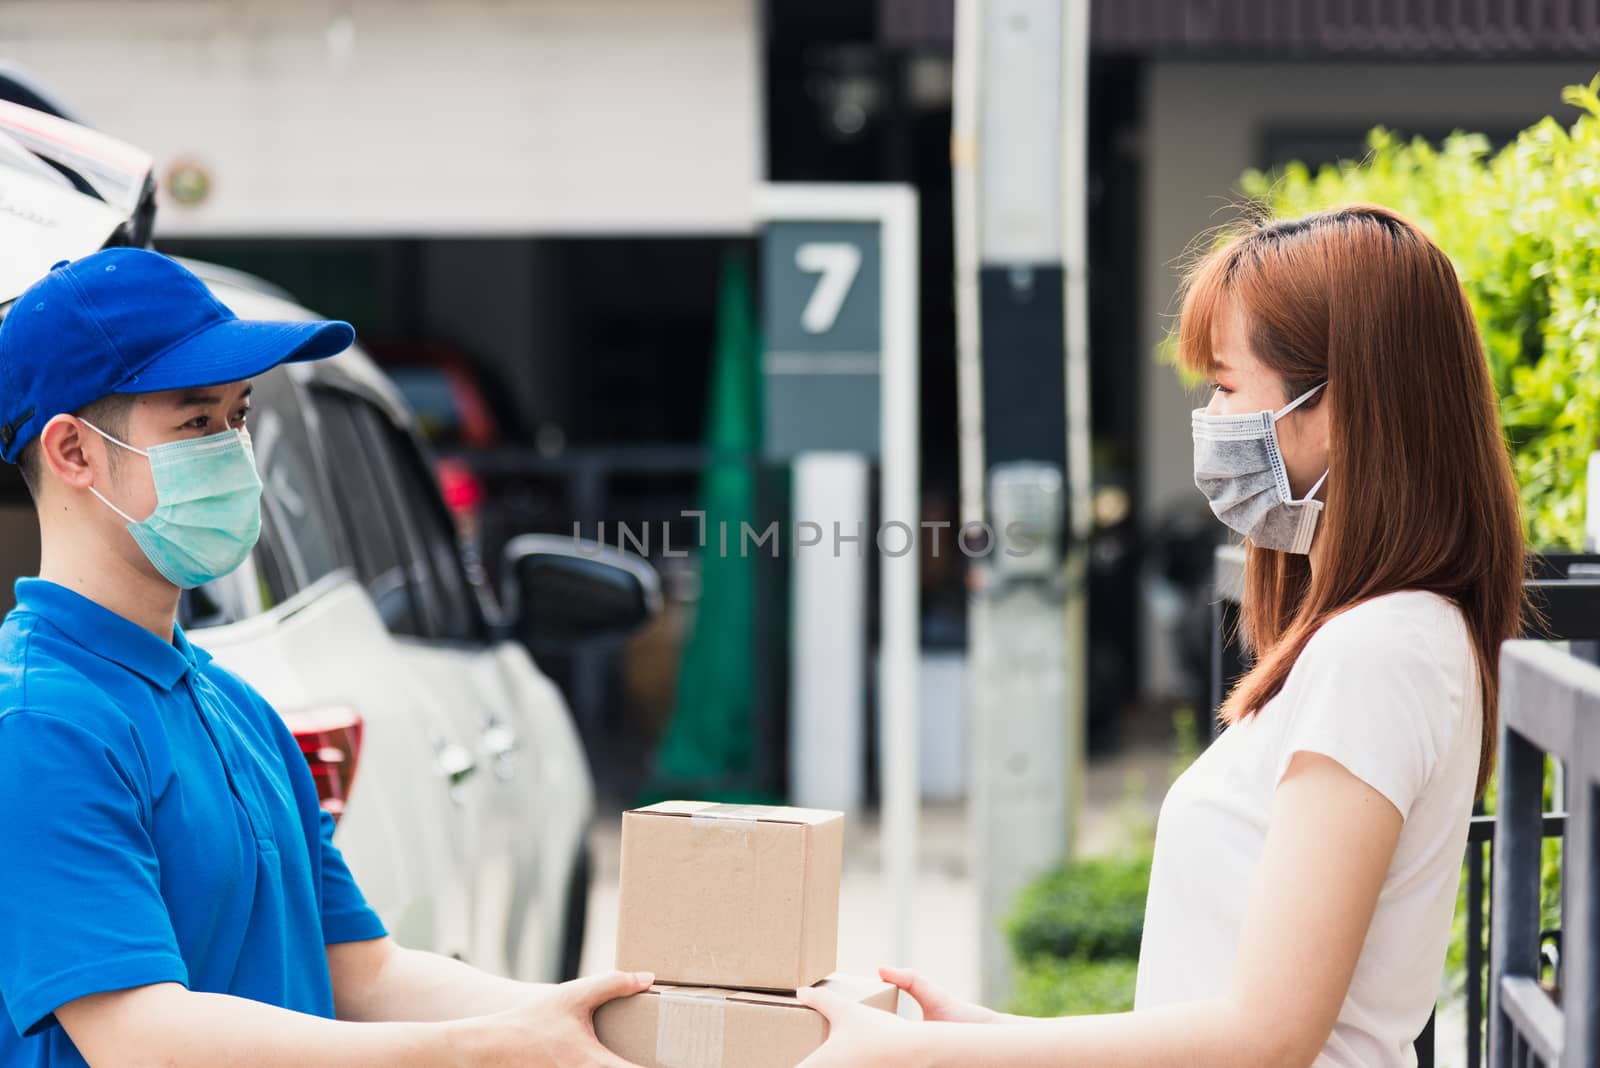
(158,824)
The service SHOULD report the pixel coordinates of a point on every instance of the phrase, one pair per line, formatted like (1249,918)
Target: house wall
(454,117)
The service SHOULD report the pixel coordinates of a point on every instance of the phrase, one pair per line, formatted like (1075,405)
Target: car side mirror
(560,589)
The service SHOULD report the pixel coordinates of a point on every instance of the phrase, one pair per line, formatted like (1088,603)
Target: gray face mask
(1238,466)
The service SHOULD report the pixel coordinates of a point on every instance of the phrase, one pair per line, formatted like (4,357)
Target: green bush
(1522,226)
(1091,909)
(1075,935)
(1050,986)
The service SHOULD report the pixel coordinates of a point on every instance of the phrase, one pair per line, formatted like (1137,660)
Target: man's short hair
(109,413)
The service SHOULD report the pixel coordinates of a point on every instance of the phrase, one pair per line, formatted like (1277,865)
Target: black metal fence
(1549,706)
(1565,592)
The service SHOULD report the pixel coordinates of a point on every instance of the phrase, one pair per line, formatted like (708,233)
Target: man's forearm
(412,984)
(167,1025)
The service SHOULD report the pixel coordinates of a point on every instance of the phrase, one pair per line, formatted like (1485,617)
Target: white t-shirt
(1390,690)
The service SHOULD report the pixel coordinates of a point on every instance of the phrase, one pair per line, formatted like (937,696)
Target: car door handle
(455,763)
(500,741)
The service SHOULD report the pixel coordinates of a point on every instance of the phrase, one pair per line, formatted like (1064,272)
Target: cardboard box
(741,896)
(704,1027)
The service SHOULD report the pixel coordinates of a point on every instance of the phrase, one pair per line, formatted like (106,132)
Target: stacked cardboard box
(734,908)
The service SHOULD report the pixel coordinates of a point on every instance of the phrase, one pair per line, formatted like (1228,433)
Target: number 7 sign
(836,264)
(839,278)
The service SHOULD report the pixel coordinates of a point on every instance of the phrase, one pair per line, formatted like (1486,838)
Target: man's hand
(936,1004)
(556,1027)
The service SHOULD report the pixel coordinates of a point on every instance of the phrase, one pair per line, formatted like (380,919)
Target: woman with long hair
(1306,864)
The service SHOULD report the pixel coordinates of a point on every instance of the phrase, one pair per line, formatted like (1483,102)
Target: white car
(463,793)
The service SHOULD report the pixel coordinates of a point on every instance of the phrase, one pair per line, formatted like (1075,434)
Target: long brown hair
(1420,494)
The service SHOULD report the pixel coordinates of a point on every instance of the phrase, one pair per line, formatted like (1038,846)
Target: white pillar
(899,569)
(828,643)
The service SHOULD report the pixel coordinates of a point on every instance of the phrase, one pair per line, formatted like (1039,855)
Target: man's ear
(62,452)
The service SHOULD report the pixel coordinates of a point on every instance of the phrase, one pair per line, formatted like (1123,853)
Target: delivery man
(169,889)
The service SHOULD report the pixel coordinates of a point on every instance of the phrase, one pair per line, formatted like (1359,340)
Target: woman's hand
(859,1037)
(936,1004)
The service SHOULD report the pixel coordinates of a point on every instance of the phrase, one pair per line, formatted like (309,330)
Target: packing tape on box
(689,1030)
(734,821)
(732,813)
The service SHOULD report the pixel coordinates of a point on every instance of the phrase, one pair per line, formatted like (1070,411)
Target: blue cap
(128,320)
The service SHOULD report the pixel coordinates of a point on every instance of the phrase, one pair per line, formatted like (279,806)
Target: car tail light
(330,738)
(461,487)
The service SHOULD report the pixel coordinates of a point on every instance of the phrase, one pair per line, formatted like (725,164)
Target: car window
(362,494)
(299,538)
(428,391)
(418,514)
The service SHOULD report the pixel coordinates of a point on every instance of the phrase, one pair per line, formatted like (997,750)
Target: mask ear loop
(101,497)
(115,441)
(119,441)
(1292,405)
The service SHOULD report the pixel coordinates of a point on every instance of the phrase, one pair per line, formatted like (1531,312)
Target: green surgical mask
(208,506)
